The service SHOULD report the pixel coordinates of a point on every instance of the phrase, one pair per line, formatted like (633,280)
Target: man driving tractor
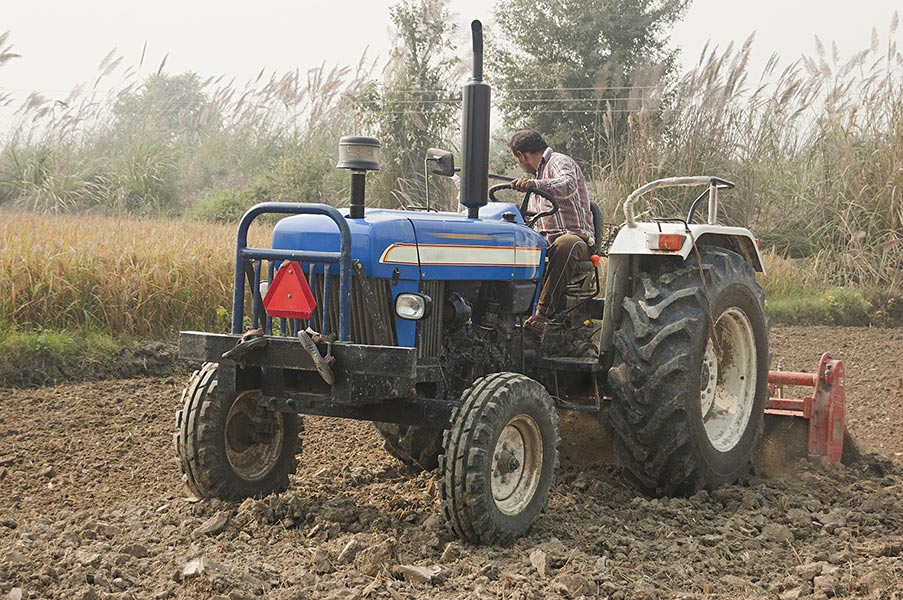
(569,232)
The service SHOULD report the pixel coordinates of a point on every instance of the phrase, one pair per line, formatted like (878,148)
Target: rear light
(288,296)
(665,241)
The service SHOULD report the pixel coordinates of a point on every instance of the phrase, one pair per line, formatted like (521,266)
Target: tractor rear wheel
(228,446)
(417,446)
(499,459)
(690,374)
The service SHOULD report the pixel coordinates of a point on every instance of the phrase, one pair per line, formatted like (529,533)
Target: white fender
(641,240)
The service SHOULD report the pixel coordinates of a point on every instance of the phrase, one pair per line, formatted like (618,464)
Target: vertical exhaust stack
(475,132)
(358,155)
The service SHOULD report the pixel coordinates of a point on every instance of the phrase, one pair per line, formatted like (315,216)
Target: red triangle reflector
(289,295)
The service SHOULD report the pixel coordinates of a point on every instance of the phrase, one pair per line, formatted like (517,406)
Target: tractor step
(587,364)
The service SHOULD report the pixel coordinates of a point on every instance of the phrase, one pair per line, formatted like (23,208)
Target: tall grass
(148,278)
(815,148)
(148,143)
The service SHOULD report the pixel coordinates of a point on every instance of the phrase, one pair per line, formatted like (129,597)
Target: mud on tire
(417,446)
(687,405)
(219,455)
(499,459)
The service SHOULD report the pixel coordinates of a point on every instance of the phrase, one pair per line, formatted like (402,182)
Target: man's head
(527,147)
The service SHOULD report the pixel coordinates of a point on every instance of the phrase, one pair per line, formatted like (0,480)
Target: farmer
(569,232)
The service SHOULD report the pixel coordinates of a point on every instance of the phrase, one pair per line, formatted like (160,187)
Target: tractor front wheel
(499,459)
(229,446)
(690,374)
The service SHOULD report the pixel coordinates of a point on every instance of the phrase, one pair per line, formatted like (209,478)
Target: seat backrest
(597,226)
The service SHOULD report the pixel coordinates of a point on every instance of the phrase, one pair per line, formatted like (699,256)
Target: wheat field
(127,276)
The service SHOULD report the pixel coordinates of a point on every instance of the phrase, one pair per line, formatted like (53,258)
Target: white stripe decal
(451,255)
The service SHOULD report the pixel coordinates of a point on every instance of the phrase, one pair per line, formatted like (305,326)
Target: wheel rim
(708,379)
(728,380)
(516,465)
(251,458)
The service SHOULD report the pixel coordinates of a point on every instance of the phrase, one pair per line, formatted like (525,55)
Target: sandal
(536,323)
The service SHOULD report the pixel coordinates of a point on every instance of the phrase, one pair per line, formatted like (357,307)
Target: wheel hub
(513,464)
(516,465)
(728,380)
(251,454)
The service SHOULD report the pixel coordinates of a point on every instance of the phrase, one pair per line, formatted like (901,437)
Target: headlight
(412,306)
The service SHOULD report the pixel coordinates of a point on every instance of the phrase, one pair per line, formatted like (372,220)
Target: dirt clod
(539,561)
(417,574)
(212,526)
(374,560)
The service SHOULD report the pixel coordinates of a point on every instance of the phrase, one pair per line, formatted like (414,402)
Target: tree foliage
(166,103)
(416,104)
(560,64)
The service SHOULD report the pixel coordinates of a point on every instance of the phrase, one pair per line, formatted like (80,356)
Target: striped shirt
(562,178)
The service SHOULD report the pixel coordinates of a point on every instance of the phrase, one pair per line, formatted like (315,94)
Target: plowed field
(92,507)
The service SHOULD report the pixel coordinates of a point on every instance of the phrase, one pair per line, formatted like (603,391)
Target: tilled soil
(91,507)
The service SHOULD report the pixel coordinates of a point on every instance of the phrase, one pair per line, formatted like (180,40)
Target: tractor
(414,320)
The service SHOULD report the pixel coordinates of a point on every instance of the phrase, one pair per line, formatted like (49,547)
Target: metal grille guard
(243,255)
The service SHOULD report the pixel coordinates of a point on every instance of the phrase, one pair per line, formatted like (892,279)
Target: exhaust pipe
(475,132)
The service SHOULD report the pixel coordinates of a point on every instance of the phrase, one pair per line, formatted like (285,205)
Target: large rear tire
(688,404)
(417,446)
(499,460)
(221,452)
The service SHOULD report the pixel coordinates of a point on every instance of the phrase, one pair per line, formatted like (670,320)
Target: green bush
(222,206)
(887,308)
(837,306)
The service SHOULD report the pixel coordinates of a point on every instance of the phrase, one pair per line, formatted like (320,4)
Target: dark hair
(528,140)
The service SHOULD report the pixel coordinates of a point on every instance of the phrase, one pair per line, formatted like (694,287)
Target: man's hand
(523,184)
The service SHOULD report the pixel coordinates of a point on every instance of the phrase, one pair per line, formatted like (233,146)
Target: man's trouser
(563,254)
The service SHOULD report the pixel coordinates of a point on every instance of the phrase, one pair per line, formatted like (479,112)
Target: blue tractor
(414,320)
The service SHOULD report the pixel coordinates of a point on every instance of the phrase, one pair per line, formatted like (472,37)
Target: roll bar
(714,183)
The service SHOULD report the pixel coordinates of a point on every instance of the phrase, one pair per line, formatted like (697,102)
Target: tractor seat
(584,266)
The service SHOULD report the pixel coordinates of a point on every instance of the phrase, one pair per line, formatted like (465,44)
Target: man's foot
(537,324)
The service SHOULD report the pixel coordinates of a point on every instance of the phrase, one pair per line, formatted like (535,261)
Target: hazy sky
(62,42)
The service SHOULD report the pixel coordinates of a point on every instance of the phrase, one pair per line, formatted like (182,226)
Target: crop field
(127,277)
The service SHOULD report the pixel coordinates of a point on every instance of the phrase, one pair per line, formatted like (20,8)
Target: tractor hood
(426,245)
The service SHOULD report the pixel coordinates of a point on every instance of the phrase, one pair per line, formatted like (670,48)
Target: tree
(416,105)
(175,104)
(153,140)
(561,64)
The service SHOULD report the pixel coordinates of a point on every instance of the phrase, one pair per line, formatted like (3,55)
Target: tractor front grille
(429,330)
(372,313)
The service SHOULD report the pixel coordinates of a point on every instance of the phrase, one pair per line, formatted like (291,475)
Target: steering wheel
(529,217)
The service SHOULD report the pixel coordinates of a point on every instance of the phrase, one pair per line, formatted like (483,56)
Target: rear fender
(633,241)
